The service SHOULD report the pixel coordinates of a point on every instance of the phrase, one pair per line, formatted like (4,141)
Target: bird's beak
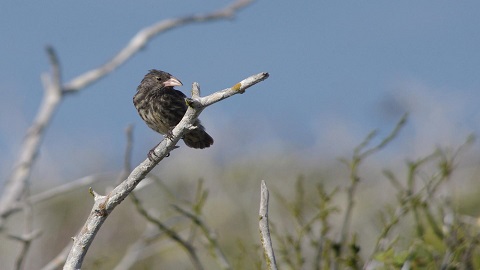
(173,82)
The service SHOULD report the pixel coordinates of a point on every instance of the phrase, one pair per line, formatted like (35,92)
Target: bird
(162,107)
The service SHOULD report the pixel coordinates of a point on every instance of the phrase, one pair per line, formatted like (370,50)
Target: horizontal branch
(238,88)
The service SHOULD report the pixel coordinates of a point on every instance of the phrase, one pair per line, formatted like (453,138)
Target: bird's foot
(169,135)
(151,153)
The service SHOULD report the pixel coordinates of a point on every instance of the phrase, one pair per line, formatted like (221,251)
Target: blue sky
(338,70)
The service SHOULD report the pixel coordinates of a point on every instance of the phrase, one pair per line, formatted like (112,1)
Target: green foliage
(421,230)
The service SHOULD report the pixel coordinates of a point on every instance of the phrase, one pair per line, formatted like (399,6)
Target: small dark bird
(162,107)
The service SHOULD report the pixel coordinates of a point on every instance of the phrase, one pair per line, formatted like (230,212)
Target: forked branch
(104,205)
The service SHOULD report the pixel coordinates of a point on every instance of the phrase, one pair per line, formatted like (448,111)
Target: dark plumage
(162,107)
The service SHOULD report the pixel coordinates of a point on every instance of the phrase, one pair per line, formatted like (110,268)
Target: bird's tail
(198,138)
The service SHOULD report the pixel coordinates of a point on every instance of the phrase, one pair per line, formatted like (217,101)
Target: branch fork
(105,204)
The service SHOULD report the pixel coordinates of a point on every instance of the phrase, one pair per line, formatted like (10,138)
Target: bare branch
(26,241)
(212,240)
(67,187)
(59,260)
(16,185)
(54,91)
(127,164)
(359,155)
(151,233)
(238,88)
(104,205)
(135,251)
(171,233)
(144,36)
(264,229)
(29,234)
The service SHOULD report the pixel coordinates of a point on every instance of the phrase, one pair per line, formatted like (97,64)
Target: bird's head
(164,78)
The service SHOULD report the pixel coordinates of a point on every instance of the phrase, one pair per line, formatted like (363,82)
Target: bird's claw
(169,135)
(151,154)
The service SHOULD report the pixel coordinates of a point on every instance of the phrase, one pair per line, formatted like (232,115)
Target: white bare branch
(264,229)
(104,205)
(135,251)
(144,36)
(17,184)
(54,93)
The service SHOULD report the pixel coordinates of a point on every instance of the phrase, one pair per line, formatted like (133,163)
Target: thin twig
(29,233)
(128,149)
(171,233)
(26,241)
(135,250)
(59,260)
(127,162)
(212,240)
(264,229)
(67,187)
(358,157)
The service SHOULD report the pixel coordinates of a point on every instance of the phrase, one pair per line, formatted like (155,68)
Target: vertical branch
(62,256)
(354,180)
(264,229)
(28,236)
(17,184)
(128,149)
(211,238)
(359,155)
(28,218)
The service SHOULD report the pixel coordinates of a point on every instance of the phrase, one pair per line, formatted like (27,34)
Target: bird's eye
(158,78)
